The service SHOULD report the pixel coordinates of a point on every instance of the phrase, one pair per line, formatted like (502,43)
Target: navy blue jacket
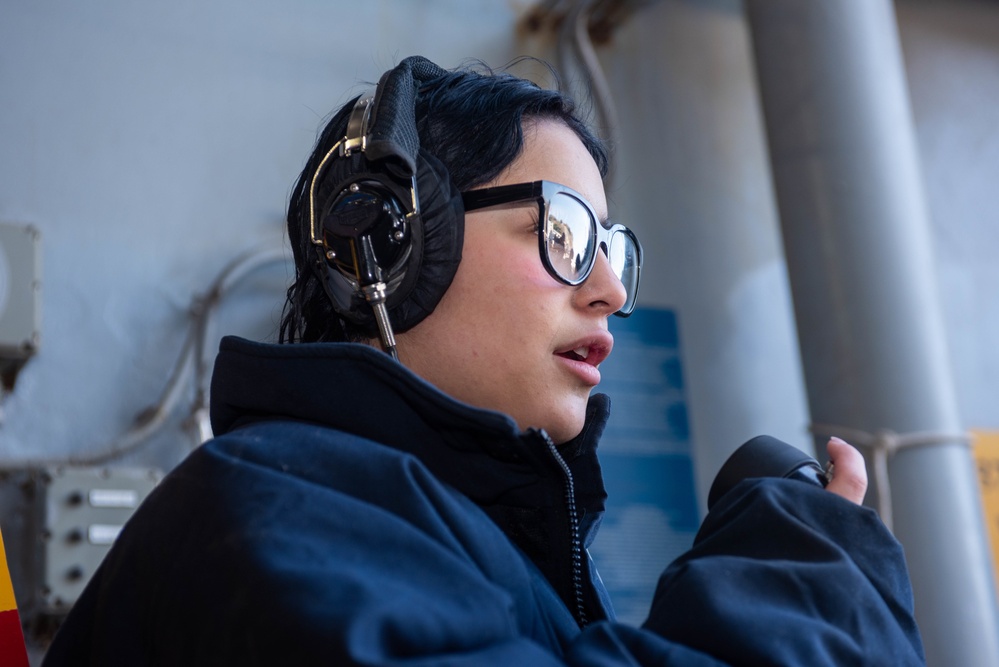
(350,513)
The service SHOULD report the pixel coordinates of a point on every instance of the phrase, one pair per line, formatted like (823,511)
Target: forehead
(553,152)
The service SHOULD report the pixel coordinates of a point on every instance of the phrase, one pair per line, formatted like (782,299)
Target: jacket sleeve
(785,573)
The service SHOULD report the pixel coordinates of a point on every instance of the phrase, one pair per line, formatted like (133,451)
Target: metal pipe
(857,239)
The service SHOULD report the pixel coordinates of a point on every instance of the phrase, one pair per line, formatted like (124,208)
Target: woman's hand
(849,478)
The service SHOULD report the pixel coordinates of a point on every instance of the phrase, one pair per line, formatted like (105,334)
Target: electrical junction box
(20,288)
(59,522)
(84,509)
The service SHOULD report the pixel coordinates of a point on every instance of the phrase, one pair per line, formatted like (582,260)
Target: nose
(602,290)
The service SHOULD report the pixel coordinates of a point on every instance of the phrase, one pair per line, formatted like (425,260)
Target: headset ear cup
(347,301)
(367,193)
(436,237)
(443,218)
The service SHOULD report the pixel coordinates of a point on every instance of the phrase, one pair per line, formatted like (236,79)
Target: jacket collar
(358,389)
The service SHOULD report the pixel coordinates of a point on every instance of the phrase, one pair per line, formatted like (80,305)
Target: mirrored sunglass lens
(568,237)
(623,256)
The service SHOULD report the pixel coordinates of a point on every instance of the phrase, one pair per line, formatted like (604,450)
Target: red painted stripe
(12,650)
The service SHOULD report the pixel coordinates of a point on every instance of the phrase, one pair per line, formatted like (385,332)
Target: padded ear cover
(392,153)
(443,216)
(437,237)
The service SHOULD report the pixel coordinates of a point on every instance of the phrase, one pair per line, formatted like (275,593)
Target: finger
(849,473)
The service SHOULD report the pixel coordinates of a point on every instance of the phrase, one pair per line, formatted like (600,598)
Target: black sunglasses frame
(543,192)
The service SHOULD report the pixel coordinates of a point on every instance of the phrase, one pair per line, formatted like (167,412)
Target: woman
(434,509)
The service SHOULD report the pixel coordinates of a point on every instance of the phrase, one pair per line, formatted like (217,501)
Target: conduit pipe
(857,239)
(194,356)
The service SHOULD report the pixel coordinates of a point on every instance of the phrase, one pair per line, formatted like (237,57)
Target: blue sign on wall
(645,454)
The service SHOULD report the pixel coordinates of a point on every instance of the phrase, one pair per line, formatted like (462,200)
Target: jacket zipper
(576,542)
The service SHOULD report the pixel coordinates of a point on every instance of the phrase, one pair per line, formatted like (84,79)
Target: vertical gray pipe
(857,240)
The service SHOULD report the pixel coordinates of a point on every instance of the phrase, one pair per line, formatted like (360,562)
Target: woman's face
(507,336)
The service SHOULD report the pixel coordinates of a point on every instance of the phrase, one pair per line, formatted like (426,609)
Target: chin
(565,431)
(563,420)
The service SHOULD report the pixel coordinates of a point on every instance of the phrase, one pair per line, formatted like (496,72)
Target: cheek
(524,304)
(501,297)
(511,277)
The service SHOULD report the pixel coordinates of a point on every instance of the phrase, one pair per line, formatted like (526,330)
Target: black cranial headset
(385,218)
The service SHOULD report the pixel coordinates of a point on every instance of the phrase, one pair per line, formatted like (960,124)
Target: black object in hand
(765,456)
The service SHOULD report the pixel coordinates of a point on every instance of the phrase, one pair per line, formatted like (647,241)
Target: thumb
(849,473)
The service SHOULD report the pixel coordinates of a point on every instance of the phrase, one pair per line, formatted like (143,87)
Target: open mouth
(590,352)
(578,354)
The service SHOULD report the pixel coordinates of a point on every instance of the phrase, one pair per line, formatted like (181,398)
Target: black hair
(472,120)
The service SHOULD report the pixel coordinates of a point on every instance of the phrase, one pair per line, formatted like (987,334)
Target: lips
(591,350)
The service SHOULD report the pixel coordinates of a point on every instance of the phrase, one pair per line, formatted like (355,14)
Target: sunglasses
(569,234)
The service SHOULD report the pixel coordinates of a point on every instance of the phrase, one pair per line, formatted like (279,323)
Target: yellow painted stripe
(987,458)
(7,601)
